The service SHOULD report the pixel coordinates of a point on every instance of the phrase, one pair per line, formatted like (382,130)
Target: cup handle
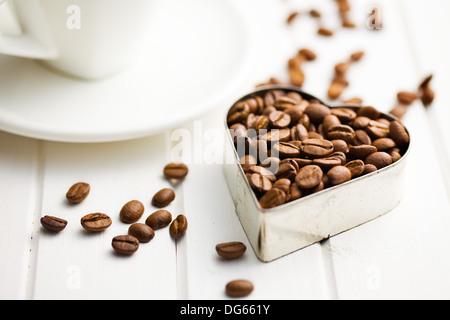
(35,41)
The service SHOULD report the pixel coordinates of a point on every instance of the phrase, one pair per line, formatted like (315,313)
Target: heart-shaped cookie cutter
(276,232)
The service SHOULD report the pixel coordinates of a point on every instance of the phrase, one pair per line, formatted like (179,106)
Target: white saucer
(200,52)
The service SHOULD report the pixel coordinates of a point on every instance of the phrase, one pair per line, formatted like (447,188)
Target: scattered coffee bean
(239,288)
(78,192)
(339,82)
(176,171)
(125,244)
(163,198)
(142,232)
(319,148)
(406,97)
(178,227)
(292,17)
(159,219)
(53,224)
(325,32)
(96,222)
(425,92)
(231,250)
(132,211)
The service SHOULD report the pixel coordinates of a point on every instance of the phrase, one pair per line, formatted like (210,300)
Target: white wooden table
(404,254)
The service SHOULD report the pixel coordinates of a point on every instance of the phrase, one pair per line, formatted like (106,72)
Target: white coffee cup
(88,39)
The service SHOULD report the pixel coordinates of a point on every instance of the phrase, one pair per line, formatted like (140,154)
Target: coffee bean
(399,111)
(78,192)
(317,148)
(176,171)
(178,227)
(260,183)
(292,162)
(299,132)
(377,129)
(379,159)
(361,137)
(361,152)
(271,96)
(338,175)
(239,288)
(125,244)
(340,145)
(238,113)
(142,232)
(337,86)
(279,119)
(398,133)
(294,193)
(272,198)
(325,32)
(281,135)
(231,250)
(272,164)
(263,172)
(283,184)
(384,144)
(96,222)
(286,150)
(327,163)
(317,112)
(284,102)
(345,115)
(369,168)
(339,155)
(356,168)
(261,123)
(159,219)
(132,211)
(248,161)
(309,177)
(295,113)
(342,132)
(361,122)
(427,96)
(53,224)
(369,112)
(407,97)
(395,154)
(163,198)
(330,121)
(287,171)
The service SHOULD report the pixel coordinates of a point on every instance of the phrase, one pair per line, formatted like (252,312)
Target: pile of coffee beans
(130,213)
(290,147)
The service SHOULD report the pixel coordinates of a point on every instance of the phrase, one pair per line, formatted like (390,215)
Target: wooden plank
(19,189)
(76,264)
